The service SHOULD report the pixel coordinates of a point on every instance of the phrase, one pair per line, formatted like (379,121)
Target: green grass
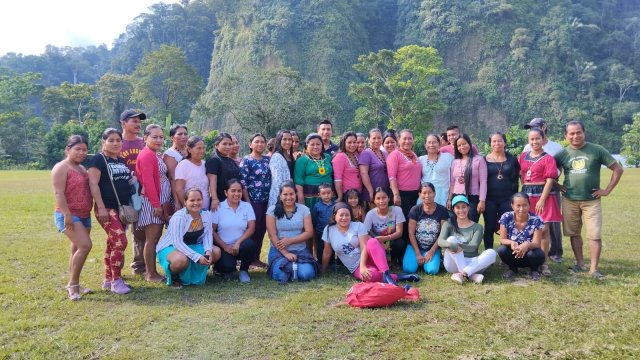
(566,316)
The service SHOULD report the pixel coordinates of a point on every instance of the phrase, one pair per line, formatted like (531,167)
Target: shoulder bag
(127,214)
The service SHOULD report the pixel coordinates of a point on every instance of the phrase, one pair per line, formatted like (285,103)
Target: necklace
(462,170)
(353,160)
(319,164)
(380,156)
(499,176)
(531,163)
(432,165)
(410,156)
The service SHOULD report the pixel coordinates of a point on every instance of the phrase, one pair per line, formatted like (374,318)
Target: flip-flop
(597,275)
(73,296)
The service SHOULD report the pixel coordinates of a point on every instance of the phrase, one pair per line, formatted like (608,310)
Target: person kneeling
(520,238)
(186,250)
(462,238)
(289,227)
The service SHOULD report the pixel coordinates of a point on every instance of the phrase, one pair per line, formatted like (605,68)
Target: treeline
(244,65)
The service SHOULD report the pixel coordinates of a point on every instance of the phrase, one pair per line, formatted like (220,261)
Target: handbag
(127,214)
(376,294)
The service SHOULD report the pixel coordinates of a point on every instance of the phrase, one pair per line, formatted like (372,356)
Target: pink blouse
(478,177)
(406,172)
(542,168)
(346,172)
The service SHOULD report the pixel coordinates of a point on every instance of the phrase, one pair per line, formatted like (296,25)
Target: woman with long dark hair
(73,208)
(346,174)
(110,183)
(281,164)
(255,177)
(192,173)
(461,237)
(289,226)
(221,168)
(468,177)
(172,156)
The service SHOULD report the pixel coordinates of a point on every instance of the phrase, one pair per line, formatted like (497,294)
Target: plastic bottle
(294,268)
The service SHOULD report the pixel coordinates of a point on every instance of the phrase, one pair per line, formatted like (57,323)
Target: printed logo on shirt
(347,249)
(119,171)
(579,165)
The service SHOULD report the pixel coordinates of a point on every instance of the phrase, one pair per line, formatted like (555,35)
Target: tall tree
(631,141)
(114,94)
(273,99)
(399,90)
(165,84)
(69,101)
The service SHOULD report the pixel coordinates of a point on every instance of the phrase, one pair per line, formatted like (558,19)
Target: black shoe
(409,277)
(386,277)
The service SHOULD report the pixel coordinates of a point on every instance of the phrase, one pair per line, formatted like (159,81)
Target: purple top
(377,170)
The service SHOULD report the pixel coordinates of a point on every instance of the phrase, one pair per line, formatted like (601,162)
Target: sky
(28,26)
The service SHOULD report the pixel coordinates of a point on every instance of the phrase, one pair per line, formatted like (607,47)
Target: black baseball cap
(132,113)
(535,123)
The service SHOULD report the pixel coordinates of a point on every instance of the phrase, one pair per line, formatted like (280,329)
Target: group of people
(371,206)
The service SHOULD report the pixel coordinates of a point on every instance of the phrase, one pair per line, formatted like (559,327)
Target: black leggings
(408,200)
(246,255)
(532,259)
(493,210)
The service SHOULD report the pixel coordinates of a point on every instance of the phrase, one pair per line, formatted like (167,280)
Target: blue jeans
(306,271)
(58,217)
(410,264)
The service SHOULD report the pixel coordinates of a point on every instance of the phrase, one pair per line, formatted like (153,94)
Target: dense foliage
(503,63)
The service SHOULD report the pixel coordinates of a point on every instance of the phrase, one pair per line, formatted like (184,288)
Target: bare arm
(213,190)
(366,181)
(179,193)
(59,177)
(171,163)
(94,179)
(300,194)
(615,178)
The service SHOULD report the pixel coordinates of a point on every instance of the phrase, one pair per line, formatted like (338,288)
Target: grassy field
(565,316)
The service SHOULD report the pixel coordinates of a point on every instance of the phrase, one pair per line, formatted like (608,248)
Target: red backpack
(377,294)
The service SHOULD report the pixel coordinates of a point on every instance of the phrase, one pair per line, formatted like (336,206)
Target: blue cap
(459,198)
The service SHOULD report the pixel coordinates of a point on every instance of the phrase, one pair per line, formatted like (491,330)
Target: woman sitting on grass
(289,226)
(186,250)
(364,256)
(385,223)
(73,208)
(521,237)
(425,222)
(462,237)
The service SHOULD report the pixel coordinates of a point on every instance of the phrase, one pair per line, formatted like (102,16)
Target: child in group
(385,223)
(320,216)
(358,207)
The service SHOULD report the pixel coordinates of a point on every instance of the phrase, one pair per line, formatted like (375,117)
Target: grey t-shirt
(378,225)
(346,245)
(291,227)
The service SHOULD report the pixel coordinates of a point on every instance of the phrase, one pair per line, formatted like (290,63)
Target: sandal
(597,275)
(85,291)
(73,296)
(577,268)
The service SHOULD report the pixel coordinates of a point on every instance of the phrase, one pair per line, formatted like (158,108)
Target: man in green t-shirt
(581,162)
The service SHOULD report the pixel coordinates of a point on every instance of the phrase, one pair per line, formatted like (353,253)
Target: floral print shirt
(255,176)
(509,221)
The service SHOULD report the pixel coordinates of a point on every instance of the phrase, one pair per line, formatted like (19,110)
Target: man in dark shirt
(325,130)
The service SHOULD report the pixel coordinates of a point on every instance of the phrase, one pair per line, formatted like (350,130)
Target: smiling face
(325,131)
(112,145)
(461,210)
(375,140)
(353,200)
(314,147)
(295,142)
(497,143)
(535,141)
(432,144)
(453,135)
(234,194)
(193,202)
(463,146)
(343,218)
(286,142)
(575,136)
(520,207)
(351,144)
(155,139)
(288,197)
(390,144)
(180,138)
(406,141)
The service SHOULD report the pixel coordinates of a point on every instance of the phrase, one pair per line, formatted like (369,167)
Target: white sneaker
(477,278)
(458,277)
(244,277)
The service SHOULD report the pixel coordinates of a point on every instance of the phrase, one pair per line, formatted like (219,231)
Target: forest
(251,65)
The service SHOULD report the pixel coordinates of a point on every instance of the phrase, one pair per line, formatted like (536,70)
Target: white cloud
(27,26)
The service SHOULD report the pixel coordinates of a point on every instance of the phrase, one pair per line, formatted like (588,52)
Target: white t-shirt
(378,225)
(174,154)
(194,176)
(232,224)
(346,245)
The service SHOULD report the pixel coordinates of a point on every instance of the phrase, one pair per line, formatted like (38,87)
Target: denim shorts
(58,217)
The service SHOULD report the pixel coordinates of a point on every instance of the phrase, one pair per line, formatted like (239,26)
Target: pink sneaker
(119,287)
(106,285)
